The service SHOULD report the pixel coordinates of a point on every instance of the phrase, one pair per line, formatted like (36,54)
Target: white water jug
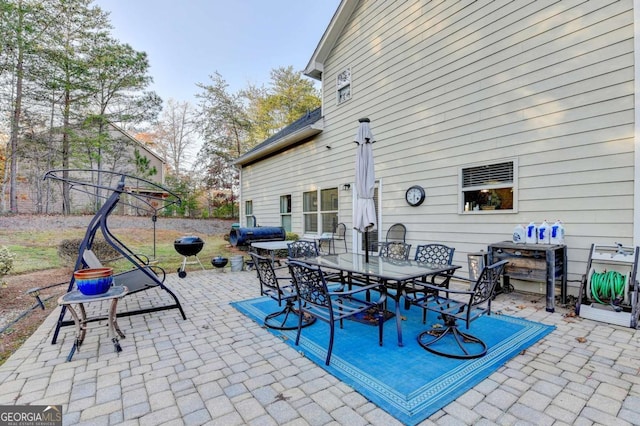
(557,233)
(531,236)
(544,232)
(519,234)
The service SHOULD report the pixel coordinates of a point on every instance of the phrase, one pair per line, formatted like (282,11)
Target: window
(310,211)
(329,209)
(285,212)
(248,213)
(326,210)
(488,187)
(343,85)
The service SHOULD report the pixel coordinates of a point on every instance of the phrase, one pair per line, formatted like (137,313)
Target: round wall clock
(415,195)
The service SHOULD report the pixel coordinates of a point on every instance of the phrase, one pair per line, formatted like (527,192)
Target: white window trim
(319,212)
(248,214)
(290,212)
(488,163)
(340,85)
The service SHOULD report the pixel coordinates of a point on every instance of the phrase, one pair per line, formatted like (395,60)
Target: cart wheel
(182,274)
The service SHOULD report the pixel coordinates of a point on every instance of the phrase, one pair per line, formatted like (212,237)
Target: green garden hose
(610,284)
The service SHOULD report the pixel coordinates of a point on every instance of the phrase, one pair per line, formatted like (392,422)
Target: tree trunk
(15,124)
(66,197)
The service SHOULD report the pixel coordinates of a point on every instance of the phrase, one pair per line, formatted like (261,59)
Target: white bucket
(237,262)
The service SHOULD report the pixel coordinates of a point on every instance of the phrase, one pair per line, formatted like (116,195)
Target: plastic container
(519,234)
(544,232)
(237,263)
(557,233)
(531,236)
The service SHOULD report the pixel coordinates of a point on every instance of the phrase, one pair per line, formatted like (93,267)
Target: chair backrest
(434,253)
(396,250)
(340,232)
(303,248)
(397,232)
(311,285)
(485,286)
(266,275)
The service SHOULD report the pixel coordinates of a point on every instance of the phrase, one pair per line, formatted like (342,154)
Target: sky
(243,40)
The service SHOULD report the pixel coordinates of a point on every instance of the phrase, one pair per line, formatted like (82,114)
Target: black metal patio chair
(282,290)
(396,250)
(453,306)
(314,298)
(434,253)
(439,254)
(303,248)
(339,234)
(397,232)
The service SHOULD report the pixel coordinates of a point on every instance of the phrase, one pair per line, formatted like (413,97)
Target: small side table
(75,297)
(533,262)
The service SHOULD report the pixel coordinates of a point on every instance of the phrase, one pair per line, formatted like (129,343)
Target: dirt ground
(20,314)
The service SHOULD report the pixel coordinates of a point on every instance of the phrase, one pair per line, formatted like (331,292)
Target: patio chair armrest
(356,290)
(437,288)
(457,277)
(160,272)
(283,278)
(35,292)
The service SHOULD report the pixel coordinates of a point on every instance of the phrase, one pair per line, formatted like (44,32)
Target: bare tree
(175,134)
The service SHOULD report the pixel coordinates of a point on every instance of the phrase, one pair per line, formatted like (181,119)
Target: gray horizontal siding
(450,84)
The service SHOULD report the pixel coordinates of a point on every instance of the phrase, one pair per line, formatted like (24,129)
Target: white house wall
(300,169)
(549,84)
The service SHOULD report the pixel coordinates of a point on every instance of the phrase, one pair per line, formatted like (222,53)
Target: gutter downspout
(636,126)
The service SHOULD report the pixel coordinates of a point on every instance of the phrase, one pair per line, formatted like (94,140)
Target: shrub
(68,250)
(6,263)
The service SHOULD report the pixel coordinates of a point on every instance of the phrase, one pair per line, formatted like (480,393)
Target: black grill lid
(188,239)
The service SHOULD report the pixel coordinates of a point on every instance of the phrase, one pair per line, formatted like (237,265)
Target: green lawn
(38,250)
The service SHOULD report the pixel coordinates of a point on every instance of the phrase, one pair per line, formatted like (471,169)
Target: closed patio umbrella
(364,210)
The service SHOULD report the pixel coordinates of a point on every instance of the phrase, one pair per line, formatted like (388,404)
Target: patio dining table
(391,274)
(270,246)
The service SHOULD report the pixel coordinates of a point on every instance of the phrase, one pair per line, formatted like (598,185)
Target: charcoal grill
(188,246)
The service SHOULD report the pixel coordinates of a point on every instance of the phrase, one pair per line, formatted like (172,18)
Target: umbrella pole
(366,246)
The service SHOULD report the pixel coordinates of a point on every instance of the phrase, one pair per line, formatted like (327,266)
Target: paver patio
(219,367)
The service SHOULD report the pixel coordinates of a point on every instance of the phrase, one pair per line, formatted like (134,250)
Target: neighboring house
(531,102)
(32,190)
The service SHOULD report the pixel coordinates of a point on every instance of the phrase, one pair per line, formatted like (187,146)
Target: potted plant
(492,200)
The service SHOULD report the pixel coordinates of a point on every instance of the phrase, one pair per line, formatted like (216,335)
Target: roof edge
(286,141)
(315,67)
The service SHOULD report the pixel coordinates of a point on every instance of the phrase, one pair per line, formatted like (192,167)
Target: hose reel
(609,287)
(609,290)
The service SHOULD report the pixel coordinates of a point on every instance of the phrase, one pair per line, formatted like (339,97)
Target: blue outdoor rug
(407,382)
